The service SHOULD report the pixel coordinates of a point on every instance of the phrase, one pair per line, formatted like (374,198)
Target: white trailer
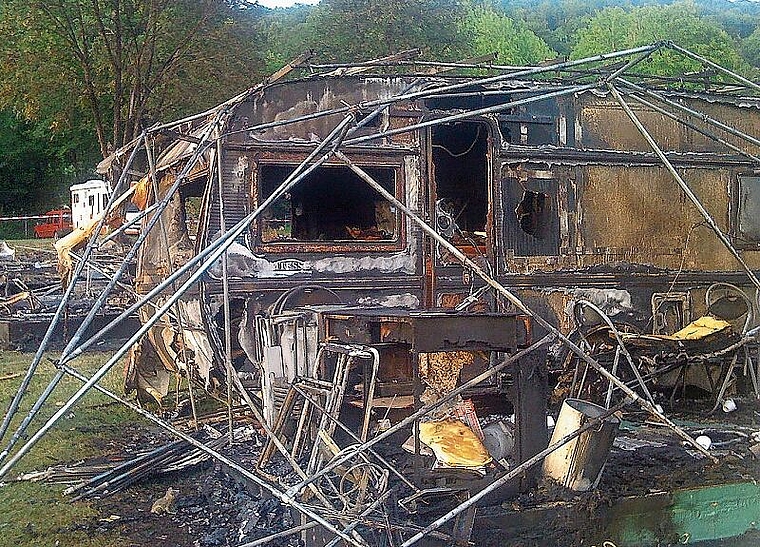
(88,200)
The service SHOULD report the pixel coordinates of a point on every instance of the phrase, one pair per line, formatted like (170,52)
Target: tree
(491,31)
(750,49)
(284,34)
(118,65)
(615,28)
(347,30)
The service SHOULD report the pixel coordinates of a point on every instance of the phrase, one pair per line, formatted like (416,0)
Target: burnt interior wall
(294,99)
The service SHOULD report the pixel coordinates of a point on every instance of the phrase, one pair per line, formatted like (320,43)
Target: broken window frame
(523,244)
(739,238)
(334,245)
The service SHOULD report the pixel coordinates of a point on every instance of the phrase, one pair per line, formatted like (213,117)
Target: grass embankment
(37,514)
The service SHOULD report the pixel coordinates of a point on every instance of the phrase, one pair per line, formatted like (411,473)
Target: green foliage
(348,30)
(493,31)
(750,49)
(284,34)
(118,66)
(37,167)
(615,28)
(87,76)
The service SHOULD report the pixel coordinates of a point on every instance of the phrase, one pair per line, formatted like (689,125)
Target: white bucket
(578,464)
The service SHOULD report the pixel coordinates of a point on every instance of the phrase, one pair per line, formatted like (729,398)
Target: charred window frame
(331,207)
(745,217)
(531,125)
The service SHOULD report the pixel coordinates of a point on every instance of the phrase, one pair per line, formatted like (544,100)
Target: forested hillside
(79,78)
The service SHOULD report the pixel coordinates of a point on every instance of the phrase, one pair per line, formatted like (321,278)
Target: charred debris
(390,264)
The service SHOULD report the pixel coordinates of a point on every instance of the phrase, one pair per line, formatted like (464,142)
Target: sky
(284,3)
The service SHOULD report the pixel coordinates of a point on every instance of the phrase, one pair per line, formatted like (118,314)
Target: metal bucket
(578,464)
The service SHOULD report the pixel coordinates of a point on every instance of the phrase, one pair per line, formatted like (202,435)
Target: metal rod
(30,415)
(419,413)
(471,113)
(13,407)
(227,238)
(282,72)
(716,66)
(280,535)
(620,345)
(129,223)
(225,290)
(683,108)
(276,492)
(519,304)
(685,187)
(296,176)
(517,471)
(355,437)
(164,202)
(692,126)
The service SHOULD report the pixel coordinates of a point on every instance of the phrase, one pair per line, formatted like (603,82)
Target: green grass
(37,514)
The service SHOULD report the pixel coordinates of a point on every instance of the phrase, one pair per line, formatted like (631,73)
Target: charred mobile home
(634,198)
(375,261)
(548,187)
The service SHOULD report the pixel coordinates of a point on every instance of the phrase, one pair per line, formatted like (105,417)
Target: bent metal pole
(296,176)
(13,407)
(531,71)
(685,187)
(112,281)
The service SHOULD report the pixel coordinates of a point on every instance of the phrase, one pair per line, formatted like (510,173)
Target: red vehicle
(56,223)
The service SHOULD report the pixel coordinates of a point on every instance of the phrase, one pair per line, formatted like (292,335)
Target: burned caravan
(559,197)
(375,259)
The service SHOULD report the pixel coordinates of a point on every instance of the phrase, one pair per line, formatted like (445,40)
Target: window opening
(531,216)
(461,178)
(534,213)
(192,198)
(331,204)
